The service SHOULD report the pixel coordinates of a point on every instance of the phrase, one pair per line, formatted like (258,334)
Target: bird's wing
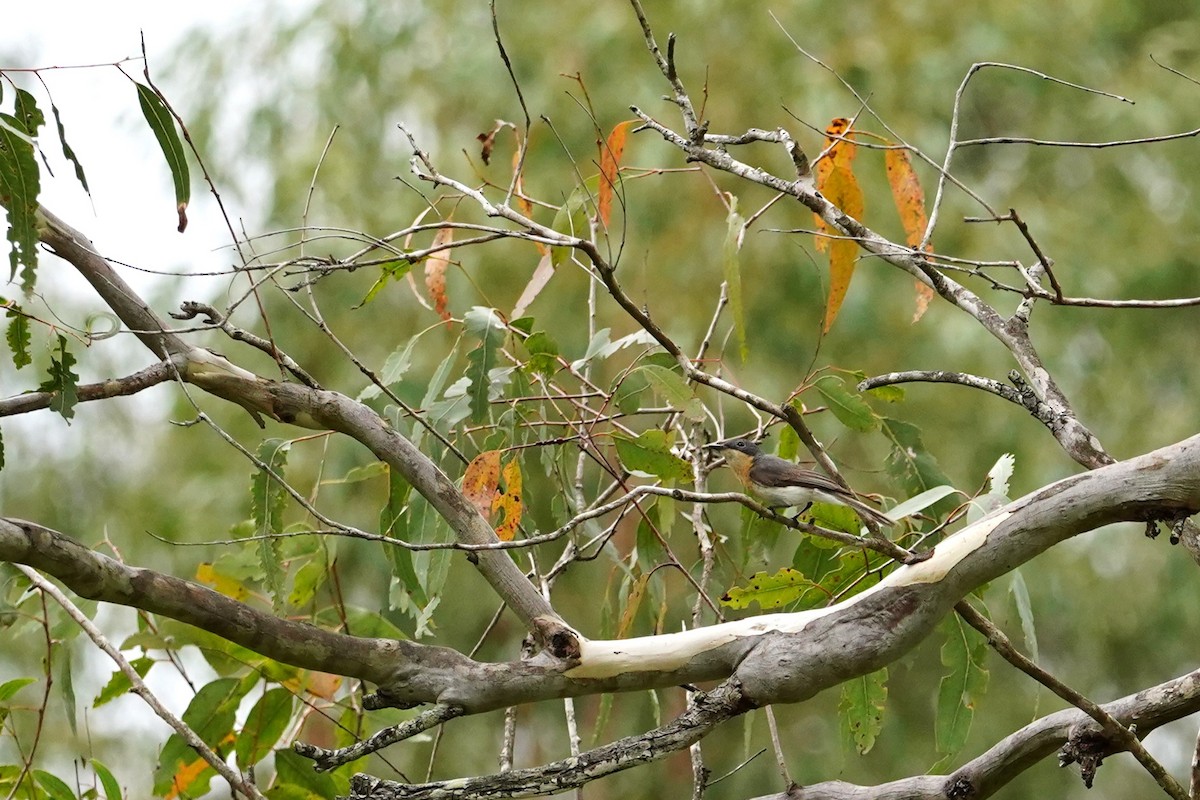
(773,471)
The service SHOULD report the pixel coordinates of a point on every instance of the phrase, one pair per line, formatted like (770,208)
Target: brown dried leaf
(435,272)
(610,164)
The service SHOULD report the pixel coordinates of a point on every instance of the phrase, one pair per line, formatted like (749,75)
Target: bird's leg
(796,516)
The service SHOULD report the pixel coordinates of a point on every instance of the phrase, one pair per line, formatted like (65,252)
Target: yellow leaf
(227,586)
(610,164)
(840,154)
(510,502)
(906,191)
(843,253)
(481,482)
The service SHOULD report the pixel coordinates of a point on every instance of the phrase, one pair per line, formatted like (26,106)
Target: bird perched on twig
(783,484)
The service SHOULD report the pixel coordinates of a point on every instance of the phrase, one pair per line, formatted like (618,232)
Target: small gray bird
(783,484)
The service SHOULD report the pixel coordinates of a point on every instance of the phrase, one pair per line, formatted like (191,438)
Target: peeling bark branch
(776,658)
(988,773)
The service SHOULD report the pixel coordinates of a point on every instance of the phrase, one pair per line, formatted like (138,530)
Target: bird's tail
(869,514)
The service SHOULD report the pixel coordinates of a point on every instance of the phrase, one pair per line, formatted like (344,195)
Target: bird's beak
(714,446)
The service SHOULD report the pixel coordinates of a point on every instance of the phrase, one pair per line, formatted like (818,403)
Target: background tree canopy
(261,100)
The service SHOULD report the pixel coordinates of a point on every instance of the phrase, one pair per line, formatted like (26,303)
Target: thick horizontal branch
(775,657)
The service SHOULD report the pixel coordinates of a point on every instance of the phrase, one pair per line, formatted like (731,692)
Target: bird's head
(739,454)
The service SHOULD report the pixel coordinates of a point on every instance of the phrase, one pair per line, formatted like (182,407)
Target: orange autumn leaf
(436,265)
(481,481)
(839,153)
(910,203)
(843,253)
(509,502)
(610,164)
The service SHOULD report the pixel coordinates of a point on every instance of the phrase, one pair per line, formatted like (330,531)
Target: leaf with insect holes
(650,454)
(19,188)
(769,591)
(963,654)
(861,709)
(17,336)
(63,382)
(68,152)
(159,118)
(509,501)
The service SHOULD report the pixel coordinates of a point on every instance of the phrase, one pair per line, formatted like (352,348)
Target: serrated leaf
(849,407)
(69,153)
(650,454)
(1000,472)
(732,272)
(63,383)
(159,118)
(861,709)
(264,725)
(963,654)
(19,188)
(769,591)
(112,789)
(27,111)
(18,337)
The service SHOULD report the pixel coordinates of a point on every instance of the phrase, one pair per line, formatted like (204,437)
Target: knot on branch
(553,637)
(1087,748)
(959,788)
